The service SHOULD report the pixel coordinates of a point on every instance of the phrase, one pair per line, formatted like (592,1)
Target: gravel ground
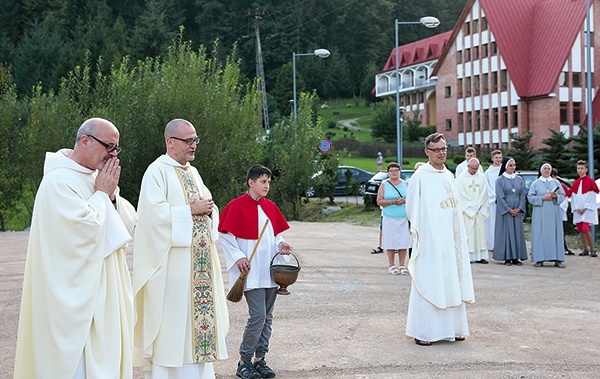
(346,316)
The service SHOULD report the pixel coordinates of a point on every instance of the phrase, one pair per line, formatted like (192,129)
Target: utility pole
(260,72)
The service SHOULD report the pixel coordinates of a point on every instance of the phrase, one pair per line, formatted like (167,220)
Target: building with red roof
(509,66)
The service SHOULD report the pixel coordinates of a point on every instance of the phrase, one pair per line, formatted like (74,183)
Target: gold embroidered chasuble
(439,264)
(204,339)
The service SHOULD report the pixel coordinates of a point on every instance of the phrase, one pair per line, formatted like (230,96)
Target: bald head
(174,126)
(473,165)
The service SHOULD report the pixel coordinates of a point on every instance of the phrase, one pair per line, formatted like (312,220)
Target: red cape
(587,184)
(240,217)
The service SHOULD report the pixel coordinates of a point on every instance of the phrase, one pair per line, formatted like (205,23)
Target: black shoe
(247,371)
(569,252)
(482,261)
(517,262)
(583,253)
(508,263)
(593,253)
(263,370)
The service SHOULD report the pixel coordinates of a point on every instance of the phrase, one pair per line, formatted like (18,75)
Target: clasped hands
(108,176)
(550,196)
(399,201)
(202,206)
(514,212)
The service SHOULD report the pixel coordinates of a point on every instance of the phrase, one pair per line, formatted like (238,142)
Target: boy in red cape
(240,223)
(583,205)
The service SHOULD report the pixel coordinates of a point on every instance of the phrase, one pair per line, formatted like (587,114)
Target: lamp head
(322,53)
(430,22)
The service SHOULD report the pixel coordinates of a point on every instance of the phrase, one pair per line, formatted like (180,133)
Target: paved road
(346,316)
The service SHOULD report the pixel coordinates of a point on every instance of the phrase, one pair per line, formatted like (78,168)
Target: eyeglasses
(393,169)
(189,141)
(110,147)
(438,149)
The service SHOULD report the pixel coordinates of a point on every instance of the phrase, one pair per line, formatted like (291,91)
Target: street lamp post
(430,22)
(590,111)
(321,53)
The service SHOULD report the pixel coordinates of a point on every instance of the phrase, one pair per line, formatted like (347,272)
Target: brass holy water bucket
(284,275)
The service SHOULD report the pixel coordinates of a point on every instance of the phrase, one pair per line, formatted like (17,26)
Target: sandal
(459,338)
(538,264)
(403,270)
(422,343)
(377,250)
(393,270)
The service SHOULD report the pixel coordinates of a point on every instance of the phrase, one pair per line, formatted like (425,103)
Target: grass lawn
(347,109)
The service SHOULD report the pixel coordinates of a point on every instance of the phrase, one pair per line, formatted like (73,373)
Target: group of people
(81,316)
(494,205)
(449,222)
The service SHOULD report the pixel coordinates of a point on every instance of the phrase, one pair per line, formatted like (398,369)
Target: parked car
(373,184)
(358,174)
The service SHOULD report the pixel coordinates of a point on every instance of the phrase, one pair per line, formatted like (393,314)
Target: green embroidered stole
(204,324)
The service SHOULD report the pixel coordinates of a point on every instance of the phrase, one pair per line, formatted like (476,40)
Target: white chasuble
(77,305)
(181,311)
(439,265)
(474,205)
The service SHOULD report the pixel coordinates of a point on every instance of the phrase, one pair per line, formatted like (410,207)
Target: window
(414,99)
(485,83)
(477,120)
(486,119)
(475,26)
(484,51)
(460,89)
(476,84)
(468,86)
(484,24)
(576,81)
(469,121)
(505,117)
(467,28)
(448,124)
(495,118)
(407,100)
(475,52)
(494,84)
(459,57)
(421,97)
(563,114)
(461,122)
(493,48)
(576,113)
(503,80)
(467,55)
(448,92)
(515,115)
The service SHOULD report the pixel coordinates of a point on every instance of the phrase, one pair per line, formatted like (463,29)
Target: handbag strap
(394,187)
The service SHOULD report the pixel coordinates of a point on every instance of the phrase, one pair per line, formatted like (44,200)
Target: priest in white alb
(441,282)
(76,317)
(474,204)
(182,317)
(491,174)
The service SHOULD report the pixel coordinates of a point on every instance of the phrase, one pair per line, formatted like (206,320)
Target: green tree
(288,152)
(521,151)
(580,148)
(384,121)
(152,32)
(557,153)
(412,127)
(11,185)
(44,55)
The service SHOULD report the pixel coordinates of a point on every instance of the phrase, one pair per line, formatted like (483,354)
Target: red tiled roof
(534,38)
(417,52)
